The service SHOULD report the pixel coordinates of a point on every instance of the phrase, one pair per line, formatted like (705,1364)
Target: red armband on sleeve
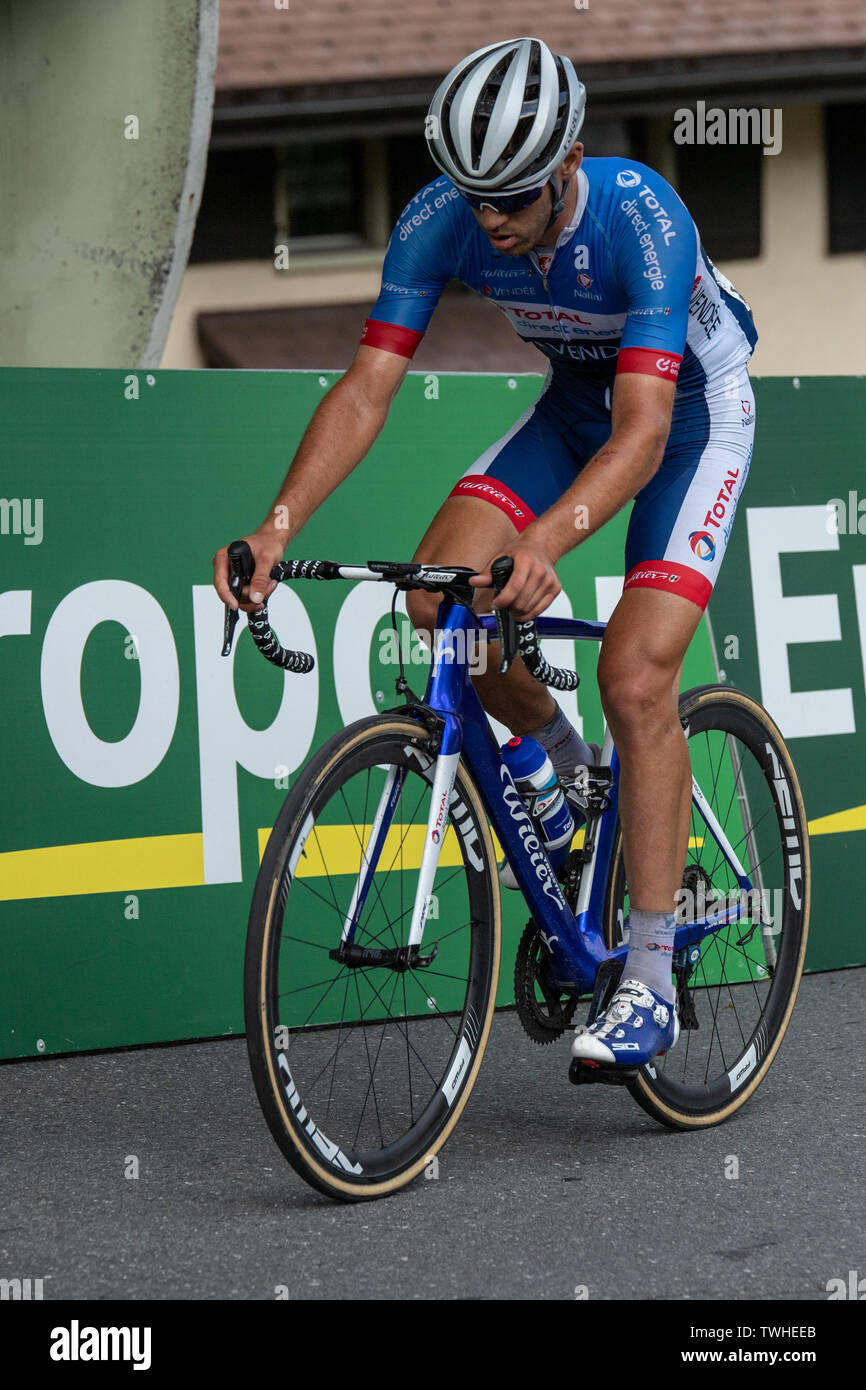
(392,337)
(650,362)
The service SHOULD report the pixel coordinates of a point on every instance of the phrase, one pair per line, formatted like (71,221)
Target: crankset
(545,1019)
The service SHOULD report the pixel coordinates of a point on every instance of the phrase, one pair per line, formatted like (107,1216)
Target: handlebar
(515,638)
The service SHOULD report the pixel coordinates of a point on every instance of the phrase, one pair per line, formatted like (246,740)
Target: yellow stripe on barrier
(839,822)
(342,849)
(104,866)
(176,861)
(337,849)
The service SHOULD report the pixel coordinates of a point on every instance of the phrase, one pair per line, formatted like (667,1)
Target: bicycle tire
(767,779)
(319,1143)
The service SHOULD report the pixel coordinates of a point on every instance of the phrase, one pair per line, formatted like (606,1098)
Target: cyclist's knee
(637,702)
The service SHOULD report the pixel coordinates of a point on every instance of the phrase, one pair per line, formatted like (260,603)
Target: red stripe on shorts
(673,578)
(491,490)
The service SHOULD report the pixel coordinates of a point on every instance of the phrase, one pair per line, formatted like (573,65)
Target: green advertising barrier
(788,619)
(142,771)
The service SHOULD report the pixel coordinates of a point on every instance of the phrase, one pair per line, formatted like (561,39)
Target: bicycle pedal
(584,1072)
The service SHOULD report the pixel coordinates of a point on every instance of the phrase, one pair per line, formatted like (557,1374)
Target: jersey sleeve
(419,263)
(655,250)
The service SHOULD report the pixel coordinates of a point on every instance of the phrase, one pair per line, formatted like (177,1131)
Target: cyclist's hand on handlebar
(267,553)
(533,584)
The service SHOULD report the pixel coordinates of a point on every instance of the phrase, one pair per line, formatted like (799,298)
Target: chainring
(544,1019)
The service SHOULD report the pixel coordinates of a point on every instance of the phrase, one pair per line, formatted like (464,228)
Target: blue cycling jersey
(628,286)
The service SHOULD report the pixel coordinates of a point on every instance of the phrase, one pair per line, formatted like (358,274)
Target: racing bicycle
(374,937)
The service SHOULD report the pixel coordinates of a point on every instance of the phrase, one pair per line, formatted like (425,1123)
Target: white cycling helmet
(505,117)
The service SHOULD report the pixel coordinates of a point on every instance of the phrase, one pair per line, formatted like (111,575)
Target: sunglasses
(508,202)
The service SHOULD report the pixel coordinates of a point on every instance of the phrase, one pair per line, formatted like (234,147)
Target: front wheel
(363,1065)
(742,979)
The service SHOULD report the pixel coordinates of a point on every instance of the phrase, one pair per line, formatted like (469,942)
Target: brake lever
(242,567)
(506,625)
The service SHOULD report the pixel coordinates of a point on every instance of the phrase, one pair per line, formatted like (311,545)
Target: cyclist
(599,264)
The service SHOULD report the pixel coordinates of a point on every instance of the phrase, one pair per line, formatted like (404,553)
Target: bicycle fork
(442,792)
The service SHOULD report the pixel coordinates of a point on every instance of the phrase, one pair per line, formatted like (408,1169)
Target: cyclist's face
(515,233)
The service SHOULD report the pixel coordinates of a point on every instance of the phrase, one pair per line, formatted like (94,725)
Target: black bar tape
(305,569)
(265,639)
(537,665)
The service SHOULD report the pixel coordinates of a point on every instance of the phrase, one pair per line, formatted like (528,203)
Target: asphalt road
(543,1188)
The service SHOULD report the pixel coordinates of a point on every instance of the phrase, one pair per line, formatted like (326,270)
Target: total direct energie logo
(703,545)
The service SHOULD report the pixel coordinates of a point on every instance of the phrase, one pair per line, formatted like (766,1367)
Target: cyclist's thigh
(505,489)
(681,520)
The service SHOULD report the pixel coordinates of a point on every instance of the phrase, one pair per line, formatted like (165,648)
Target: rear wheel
(362,1068)
(742,980)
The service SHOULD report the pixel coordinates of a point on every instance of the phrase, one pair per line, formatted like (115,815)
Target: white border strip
(190,198)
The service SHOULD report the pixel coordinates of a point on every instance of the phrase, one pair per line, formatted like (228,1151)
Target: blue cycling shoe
(636,1027)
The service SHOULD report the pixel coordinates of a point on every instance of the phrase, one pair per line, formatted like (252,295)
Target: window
(254,199)
(721,187)
(844,127)
(409,166)
(324,186)
(236,217)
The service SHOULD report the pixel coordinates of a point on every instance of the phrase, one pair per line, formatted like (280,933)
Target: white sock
(650,951)
(563,745)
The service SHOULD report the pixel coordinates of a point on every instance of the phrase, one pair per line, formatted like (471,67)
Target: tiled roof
(330,41)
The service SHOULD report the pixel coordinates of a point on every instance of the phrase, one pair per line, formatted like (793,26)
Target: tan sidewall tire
(641,1087)
(326,1177)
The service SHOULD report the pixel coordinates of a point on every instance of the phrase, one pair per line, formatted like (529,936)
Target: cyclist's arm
(640,423)
(641,420)
(343,429)
(417,266)
(656,269)
(657,280)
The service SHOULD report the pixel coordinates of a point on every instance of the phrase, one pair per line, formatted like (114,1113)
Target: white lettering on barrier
(15,613)
(134,757)
(226,741)
(362,610)
(782,622)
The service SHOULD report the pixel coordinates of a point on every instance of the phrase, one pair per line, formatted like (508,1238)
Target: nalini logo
(485,289)
(584,279)
(703,545)
(628,178)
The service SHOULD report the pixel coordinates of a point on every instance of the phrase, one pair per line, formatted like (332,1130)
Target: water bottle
(543,798)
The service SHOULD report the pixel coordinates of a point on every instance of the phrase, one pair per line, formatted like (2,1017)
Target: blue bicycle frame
(574,939)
